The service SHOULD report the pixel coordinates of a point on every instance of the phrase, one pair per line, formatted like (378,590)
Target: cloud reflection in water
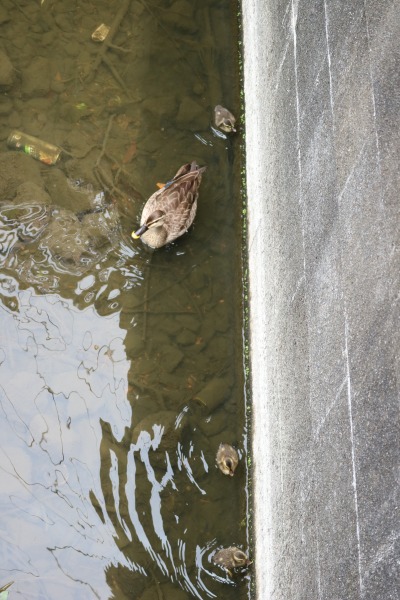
(62,371)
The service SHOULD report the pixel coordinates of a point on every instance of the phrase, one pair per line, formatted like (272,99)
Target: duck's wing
(177,199)
(181,209)
(188,170)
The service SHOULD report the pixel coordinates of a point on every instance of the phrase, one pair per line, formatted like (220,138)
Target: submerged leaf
(4,590)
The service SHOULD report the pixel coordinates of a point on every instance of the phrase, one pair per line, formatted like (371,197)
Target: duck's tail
(195,167)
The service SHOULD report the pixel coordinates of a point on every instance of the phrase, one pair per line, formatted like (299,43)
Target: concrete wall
(322,89)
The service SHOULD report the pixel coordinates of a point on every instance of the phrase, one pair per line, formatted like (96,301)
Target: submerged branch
(108,41)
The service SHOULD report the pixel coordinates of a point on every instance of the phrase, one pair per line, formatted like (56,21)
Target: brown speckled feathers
(170,211)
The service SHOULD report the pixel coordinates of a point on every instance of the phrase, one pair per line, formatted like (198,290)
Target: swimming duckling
(231,558)
(170,211)
(224,119)
(227,459)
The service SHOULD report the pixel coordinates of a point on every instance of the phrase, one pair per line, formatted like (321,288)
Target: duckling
(170,211)
(231,558)
(224,119)
(227,459)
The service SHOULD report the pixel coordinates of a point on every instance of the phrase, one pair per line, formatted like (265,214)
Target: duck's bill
(136,234)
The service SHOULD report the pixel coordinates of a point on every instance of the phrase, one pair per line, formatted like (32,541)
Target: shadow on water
(120,368)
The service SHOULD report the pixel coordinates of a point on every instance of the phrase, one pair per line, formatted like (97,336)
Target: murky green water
(120,369)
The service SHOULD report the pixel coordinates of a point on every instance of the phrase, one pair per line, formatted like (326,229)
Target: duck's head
(228,466)
(227,459)
(240,558)
(156,219)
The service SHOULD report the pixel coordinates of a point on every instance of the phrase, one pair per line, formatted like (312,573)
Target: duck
(170,211)
(227,459)
(231,558)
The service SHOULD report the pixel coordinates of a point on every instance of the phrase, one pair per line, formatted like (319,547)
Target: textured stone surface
(36,78)
(7,73)
(322,121)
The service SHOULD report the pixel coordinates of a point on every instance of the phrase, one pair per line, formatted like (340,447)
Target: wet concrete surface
(322,121)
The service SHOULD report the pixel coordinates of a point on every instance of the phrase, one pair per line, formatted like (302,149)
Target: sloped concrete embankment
(322,131)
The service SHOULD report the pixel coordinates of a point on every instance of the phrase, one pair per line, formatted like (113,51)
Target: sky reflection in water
(62,370)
